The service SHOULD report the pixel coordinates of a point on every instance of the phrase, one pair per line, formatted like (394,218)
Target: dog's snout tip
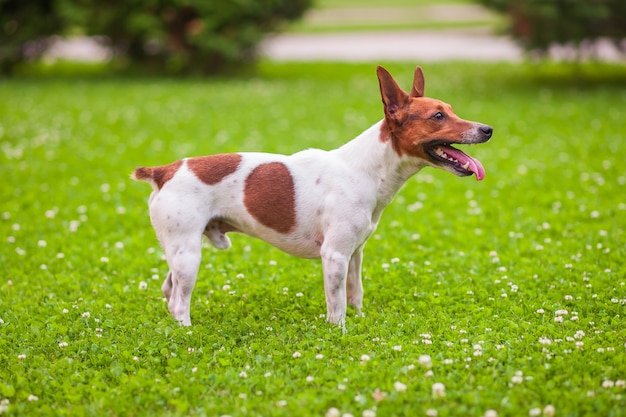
(486,130)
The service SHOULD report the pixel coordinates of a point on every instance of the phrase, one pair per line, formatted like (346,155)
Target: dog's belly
(300,243)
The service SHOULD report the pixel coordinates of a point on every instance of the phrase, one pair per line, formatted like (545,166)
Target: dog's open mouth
(459,161)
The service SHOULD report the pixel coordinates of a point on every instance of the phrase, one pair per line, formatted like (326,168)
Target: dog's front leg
(354,284)
(335,267)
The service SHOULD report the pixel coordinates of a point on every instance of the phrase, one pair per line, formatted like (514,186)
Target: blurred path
(439,45)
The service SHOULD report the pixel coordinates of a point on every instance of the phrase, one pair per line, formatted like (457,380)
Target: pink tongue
(474,164)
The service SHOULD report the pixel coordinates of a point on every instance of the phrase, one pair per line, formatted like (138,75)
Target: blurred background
(211,37)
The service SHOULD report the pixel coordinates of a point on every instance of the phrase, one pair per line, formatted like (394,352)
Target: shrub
(25,27)
(538,24)
(182,36)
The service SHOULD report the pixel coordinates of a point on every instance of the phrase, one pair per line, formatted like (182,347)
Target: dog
(312,204)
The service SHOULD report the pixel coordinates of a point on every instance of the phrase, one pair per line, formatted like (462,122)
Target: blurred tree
(25,28)
(538,24)
(180,36)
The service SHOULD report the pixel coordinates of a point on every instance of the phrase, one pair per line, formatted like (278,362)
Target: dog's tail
(147,174)
(156,176)
(142,174)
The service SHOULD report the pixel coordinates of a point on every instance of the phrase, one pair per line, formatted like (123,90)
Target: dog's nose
(486,130)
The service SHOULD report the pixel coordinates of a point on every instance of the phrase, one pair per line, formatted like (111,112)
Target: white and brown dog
(312,204)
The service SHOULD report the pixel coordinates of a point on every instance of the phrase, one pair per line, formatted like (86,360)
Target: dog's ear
(394,98)
(418,83)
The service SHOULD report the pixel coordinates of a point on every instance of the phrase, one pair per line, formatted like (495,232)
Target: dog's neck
(372,154)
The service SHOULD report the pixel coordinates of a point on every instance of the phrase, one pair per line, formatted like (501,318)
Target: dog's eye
(439,116)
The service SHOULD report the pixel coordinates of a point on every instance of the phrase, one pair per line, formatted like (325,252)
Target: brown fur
(269,196)
(212,169)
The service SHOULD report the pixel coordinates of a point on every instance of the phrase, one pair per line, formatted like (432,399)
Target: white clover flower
(319,356)
(243,374)
(143,285)
(431,412)
(425,361)
(558,319)
(296,355)
(607,383)
(397,348)
(534,412)
(429,374)
(518,378)
(62,344)
(549,410)
(309,378)
(491,413)
(439,390)
(333,412)
(399,386)
(545,341)
(365,358)
(21,356)
(32,398)
(369,413)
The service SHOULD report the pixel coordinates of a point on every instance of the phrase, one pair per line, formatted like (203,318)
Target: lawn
(509,294)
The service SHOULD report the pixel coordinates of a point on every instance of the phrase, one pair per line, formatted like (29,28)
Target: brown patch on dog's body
(212,169)
(270,197)
(159,175)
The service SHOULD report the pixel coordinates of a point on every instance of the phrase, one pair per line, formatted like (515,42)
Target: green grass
(456,266)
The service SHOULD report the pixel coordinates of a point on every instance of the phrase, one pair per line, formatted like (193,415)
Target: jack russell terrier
(312,204)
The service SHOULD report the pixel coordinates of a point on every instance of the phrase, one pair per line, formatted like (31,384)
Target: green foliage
(473,274)
(537,24)
(199,36)
(24,25)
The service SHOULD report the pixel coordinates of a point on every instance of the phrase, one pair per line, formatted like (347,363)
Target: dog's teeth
(466,166)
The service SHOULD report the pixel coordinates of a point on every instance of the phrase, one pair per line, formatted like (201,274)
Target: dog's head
(425,128)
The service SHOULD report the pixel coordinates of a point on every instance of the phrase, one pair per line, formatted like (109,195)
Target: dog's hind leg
(354,285)
(183,257)
(166,288)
